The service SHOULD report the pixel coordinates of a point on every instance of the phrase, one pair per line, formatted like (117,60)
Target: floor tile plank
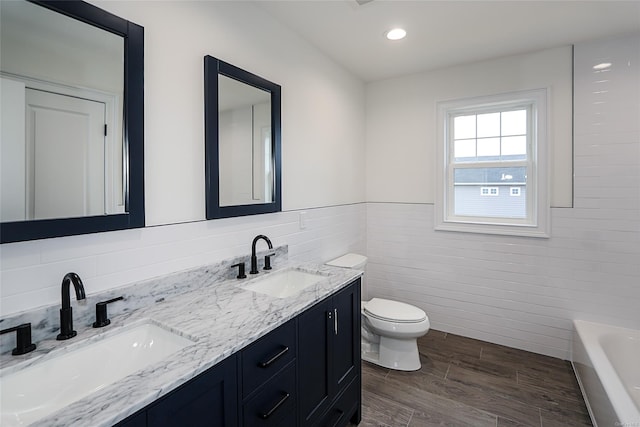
(562,417)
(467,382)
(438,408)
(385,411)
(421,419)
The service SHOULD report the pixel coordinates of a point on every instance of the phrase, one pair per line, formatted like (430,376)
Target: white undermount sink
(283,284)
(38,390)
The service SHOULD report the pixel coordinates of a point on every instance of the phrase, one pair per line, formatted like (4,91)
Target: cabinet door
(346,336)
(315,329)
(209,400)
(346,405)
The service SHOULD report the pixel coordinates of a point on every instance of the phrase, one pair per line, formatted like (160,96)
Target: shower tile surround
(203,304)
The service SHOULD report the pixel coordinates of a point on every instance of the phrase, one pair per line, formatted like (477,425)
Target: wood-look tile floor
(466,382)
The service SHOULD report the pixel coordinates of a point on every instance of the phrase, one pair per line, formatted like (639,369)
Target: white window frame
(515,191)
(536,224)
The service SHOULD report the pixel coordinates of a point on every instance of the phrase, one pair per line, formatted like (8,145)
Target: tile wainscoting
(31,272)
(515,291)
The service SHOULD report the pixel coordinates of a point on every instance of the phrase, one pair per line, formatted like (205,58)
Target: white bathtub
(606,360)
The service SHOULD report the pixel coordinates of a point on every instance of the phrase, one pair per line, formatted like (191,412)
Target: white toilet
(390,329)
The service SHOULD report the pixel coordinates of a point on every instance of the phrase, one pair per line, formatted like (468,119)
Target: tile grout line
(413,411)
(540,412)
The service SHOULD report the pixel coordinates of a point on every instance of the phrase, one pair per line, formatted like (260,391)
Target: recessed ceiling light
(602,66)
(396,34)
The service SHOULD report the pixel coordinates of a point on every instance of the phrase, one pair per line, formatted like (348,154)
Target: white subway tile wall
(524,292)
(32,271)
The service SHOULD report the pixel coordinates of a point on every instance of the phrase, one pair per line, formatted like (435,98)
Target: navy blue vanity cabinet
(306,372)
(210,399)
(345,408)
(274,403)
(314,342)
(329,366)
(346,338)
(137,420)
(269,391)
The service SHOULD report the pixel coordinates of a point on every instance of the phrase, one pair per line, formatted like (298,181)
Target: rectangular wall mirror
(71,144)
(242,142)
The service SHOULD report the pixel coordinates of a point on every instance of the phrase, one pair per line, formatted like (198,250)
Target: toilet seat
(393,311)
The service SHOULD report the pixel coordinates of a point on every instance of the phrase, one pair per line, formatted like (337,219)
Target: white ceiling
(445,33)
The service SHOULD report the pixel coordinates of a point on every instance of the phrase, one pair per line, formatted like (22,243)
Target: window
(491,149)
(489,191)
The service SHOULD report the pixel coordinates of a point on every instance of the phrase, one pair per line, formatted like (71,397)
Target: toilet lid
(394,311)
(349,261)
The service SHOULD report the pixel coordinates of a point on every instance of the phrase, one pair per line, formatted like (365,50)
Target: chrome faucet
(66,313)
(254,259)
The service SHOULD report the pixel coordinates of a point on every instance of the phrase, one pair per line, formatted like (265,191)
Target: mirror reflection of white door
(66,149)
(262,168)
(261,155)
(12,151)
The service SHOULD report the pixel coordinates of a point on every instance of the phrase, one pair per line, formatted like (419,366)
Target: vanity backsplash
(45,321)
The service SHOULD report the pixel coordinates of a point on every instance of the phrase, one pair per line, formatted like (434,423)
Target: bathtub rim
(589,334)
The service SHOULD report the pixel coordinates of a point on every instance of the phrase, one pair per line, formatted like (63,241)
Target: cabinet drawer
(265,357)
(275,402)
(343,408)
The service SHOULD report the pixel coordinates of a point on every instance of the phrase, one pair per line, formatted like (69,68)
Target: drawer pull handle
(273,358)
(336,418)
(270,412)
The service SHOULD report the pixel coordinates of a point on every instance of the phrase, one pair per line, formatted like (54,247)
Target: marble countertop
(220,316)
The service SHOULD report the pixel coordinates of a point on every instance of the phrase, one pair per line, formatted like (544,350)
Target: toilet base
(398,354)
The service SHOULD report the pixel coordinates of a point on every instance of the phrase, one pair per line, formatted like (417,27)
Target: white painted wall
(322,104)
(516,291)
(401,121)
(322,144)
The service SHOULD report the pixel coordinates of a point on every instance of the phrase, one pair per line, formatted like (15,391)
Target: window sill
(496,229)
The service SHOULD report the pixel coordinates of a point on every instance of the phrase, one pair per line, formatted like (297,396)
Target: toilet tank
(355,261)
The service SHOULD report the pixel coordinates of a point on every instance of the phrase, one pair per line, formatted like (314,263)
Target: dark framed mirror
(73,84)
(242,142)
